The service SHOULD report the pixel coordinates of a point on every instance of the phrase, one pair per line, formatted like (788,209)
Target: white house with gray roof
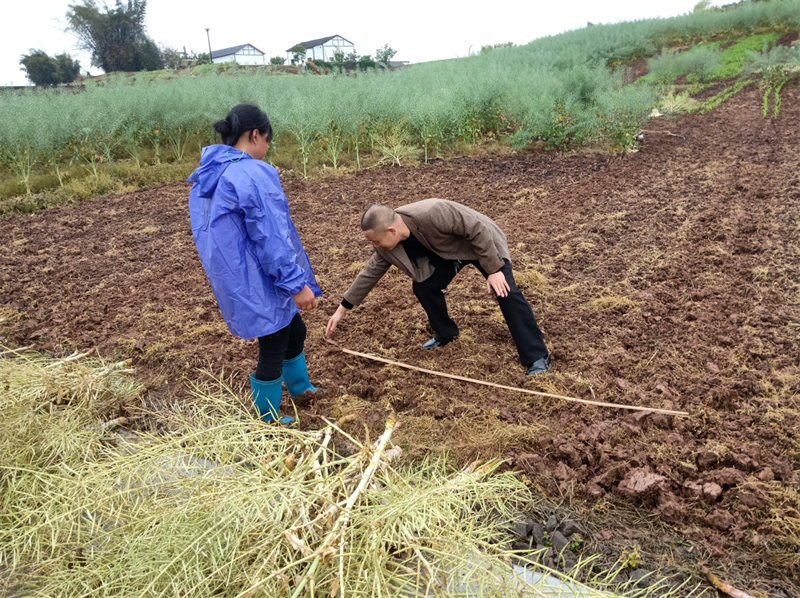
(244,54)
(324,47)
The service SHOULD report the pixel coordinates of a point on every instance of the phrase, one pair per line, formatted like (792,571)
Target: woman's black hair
(242,119)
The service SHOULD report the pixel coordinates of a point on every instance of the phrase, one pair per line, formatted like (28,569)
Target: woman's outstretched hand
(305,300)
(334,321)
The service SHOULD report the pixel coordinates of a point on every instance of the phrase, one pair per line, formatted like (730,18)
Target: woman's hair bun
(240,119)
(223,127)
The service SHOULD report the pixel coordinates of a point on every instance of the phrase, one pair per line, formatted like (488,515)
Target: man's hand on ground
(305,300)
(497,283)
(334,321)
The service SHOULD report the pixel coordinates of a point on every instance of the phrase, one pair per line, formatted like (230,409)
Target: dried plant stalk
(226,505)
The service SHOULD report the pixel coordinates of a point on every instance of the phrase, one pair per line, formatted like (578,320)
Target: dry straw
(222,504)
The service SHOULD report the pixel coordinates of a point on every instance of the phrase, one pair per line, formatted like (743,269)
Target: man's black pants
(516,309)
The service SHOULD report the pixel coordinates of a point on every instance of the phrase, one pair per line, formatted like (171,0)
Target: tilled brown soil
(663,278)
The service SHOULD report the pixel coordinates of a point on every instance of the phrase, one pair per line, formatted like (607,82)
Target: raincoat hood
(214,160)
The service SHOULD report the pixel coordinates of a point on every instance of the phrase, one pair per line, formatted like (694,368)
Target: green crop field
(563,91)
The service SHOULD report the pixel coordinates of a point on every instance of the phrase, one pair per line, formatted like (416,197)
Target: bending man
(431,241)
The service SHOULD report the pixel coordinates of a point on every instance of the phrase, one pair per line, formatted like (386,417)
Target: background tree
(115,37)
(172,58)
(68,69)
(148,56)
(366,62)
(277,60)
(384,54)
(42,69)
(204,58)
(298,53)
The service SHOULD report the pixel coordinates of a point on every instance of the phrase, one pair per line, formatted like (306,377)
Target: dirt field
(664,278)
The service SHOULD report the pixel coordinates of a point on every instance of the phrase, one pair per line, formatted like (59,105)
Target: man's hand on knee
(496,283)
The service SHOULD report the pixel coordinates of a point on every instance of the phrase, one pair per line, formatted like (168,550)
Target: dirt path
(664,278)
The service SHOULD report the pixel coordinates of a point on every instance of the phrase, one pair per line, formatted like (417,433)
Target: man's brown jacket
(448,229)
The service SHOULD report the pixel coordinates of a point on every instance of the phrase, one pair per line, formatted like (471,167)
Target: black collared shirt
(415,249)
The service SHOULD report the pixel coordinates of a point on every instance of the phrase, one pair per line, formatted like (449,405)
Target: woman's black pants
(516,309)
(274,348)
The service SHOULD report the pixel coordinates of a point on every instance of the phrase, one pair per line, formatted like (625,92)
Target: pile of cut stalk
(218,503)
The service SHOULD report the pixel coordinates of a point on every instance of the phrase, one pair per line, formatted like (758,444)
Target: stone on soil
(729,476)
(784,471)
(720,519)
(642,577)
(594,491)
(569,528)
(531,463)
(559,542)
(529,523)
(521,545)
(638,483)
(520,528)
(551,524)
(564,472)
(537,531)
(766,475)
(609,476)
(671,508)
(710,491)
(754,500)
(569,562)
(707,460)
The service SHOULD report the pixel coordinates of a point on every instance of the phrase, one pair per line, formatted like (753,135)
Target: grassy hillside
(563,91)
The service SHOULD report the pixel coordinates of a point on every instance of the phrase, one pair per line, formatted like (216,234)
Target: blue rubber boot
(267,399)
(295,375)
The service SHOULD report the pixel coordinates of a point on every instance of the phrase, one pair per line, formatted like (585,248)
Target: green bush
(706,62)
(733,59)
(773,65)
(699,64)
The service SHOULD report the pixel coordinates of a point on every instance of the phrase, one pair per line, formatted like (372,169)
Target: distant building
(324,47)
(244,54)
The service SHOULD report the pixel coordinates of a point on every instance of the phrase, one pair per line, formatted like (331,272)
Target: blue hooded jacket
(247,241)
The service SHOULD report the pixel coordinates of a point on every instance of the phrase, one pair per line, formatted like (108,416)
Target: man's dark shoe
(435,342)
(540,366)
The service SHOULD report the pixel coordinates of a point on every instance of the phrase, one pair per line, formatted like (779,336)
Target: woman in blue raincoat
(252,254)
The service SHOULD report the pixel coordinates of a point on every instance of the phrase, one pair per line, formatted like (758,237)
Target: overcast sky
(420,30)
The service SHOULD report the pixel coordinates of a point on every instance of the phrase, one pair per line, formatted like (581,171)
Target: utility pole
(208,35)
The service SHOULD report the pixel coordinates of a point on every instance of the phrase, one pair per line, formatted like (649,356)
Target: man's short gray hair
(377,218)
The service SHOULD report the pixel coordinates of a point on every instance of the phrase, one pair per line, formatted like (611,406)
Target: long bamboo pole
(504,387)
